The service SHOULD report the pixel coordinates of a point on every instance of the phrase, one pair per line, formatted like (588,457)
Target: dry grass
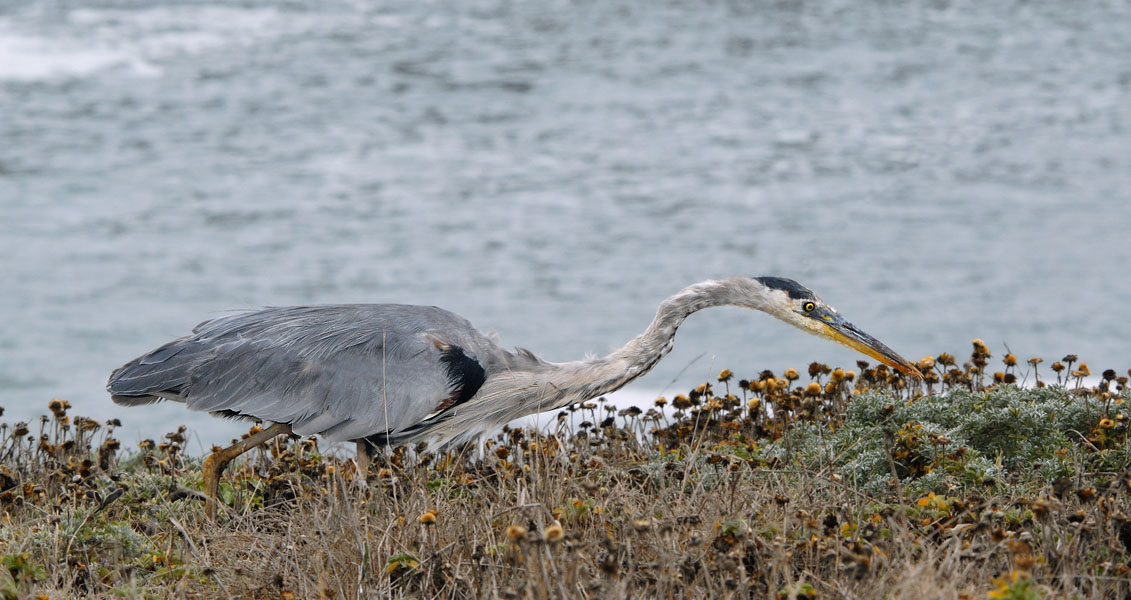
(732,496)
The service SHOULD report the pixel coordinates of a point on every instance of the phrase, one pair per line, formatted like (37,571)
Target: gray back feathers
(342,371)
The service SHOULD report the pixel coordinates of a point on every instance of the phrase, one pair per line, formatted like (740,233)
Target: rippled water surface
(551,170)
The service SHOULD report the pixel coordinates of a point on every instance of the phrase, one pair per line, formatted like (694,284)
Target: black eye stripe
(795,290)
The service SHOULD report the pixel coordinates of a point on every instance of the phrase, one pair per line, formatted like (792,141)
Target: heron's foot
(215,463)
(212,469)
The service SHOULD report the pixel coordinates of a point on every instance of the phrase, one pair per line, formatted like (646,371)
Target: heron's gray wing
(344,371)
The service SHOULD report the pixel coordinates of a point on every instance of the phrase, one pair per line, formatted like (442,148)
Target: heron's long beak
(846,333)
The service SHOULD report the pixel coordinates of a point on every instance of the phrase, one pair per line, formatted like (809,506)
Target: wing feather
(342,371)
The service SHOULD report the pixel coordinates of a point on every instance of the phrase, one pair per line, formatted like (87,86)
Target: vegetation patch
(835,483)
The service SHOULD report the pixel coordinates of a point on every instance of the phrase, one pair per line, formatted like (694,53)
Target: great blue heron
(392,374)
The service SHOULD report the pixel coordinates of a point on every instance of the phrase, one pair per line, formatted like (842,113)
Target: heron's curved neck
(637,357)
(539,386)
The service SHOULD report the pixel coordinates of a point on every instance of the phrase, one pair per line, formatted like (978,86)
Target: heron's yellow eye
(809,306)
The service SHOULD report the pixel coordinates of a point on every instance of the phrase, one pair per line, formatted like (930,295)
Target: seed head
(1040,507)
(554,533)
(58,407)
(515,532)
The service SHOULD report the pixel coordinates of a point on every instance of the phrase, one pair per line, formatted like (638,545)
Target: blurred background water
(938,171)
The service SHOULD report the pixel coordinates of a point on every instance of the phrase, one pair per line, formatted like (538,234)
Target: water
(551,170)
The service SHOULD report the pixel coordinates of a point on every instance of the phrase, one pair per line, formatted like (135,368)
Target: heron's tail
(163,374)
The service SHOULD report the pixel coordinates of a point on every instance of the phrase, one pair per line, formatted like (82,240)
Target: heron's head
(799,306)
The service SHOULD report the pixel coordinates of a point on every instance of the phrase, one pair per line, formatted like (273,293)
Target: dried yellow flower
(554,533)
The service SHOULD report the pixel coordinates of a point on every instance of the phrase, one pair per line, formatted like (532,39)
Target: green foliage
(401,560)
(800,590)
(1016,588)
(731,526)
(18,574)
(227,492)
(958,439)
(576,509)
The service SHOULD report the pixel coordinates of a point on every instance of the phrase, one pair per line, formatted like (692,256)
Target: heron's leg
(215,463)
(363,460)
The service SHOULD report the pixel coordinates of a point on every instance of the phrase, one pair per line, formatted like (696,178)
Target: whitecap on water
(86,42)
(34,58)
